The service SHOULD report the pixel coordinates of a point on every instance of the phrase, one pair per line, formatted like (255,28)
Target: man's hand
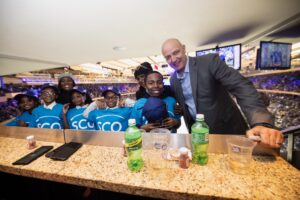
(178,109)
(269,136)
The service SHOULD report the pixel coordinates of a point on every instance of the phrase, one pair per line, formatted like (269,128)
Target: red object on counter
(184,160)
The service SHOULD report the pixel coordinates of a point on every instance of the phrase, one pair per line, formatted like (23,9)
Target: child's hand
(149,127)
(121,103)
(169,123)
(66,108)
(22,123)
(100,103)
(18,111)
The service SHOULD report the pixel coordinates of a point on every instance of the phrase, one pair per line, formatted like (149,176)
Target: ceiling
(37,34)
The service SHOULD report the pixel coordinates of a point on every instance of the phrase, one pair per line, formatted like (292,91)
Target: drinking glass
(240,154)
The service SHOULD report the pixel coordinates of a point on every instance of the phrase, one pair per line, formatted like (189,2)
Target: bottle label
(134,145)
(200,138)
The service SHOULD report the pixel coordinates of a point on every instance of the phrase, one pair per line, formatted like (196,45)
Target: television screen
(231,55)
(275,55)
(206,51)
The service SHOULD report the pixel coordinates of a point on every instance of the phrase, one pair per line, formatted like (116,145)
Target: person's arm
(90,108)
(121,102)
(136,113)
(19,120)
(178,109)
(246,95)
(21,123)
(258,117)
(149,127)
(32,123)
(129,102)
(173,121)
(170,123)
(64,115)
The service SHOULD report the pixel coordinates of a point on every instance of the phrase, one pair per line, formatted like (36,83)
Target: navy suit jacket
(212,82)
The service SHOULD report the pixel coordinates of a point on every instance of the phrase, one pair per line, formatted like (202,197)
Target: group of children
(155,109)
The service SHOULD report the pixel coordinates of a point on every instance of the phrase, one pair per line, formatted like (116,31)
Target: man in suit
(203,84)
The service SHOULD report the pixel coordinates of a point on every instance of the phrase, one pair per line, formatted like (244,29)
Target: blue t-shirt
(111,119)
(25,117)
(141,119)
(77,121)
(47,118)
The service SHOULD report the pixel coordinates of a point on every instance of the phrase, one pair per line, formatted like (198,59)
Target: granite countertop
(105,168)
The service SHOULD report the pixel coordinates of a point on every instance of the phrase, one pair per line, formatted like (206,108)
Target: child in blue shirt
(27,102)
(112,118)
(48,115)
(155,88)
(73,118)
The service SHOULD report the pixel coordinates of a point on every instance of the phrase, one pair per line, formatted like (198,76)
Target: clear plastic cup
(146,140)
(158,142)
(240,154)
(157,167)
(160,138)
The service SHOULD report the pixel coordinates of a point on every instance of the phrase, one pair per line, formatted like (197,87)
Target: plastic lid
(199,116)
(131,121)
(30,137)
(183,150)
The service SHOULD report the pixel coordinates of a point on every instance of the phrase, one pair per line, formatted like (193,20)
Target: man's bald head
(175,54)
(172,41)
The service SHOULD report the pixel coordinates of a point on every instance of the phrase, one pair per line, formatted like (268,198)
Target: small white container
(31,143)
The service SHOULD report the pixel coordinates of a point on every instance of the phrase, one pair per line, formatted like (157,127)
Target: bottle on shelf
(200,131)
(133,143)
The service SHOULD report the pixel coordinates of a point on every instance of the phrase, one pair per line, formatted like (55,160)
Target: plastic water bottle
(133,143)
(200,131)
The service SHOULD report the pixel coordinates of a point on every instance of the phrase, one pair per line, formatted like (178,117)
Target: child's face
(66,83)
(111,99)
(141,80)
(154,84)
(48,96)
(26,103)
(78,99)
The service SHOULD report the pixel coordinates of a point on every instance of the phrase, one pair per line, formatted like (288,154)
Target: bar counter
(104,167)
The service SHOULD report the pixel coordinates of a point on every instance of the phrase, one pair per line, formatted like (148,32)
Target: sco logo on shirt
(107,126)
(54,125)
(82,124)
(110,122)
(52,122)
